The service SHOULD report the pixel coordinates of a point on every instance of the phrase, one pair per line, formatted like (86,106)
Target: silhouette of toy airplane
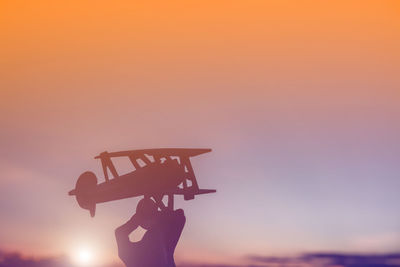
(158,173)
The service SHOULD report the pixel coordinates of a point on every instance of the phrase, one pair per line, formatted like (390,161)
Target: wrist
(134,217)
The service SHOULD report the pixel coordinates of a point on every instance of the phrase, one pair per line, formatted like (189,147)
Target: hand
(134,218)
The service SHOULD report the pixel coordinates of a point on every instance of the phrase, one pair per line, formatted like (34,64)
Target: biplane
(157,173)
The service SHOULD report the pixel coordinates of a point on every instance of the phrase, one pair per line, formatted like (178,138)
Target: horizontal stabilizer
(181,191)
(205,191)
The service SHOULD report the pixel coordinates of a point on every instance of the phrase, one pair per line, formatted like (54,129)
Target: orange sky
(259,77)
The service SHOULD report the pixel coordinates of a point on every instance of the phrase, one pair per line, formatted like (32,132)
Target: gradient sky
(299,100)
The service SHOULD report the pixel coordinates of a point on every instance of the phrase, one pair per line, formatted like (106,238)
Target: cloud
(331,260)
(17,260)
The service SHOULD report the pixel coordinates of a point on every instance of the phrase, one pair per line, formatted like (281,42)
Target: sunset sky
(299,100)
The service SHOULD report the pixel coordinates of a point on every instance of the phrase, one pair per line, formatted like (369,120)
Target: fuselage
(156,178)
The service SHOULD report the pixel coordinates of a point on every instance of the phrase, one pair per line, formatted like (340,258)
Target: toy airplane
(158,173)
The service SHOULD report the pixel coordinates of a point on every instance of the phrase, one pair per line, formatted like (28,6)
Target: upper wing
(160,152)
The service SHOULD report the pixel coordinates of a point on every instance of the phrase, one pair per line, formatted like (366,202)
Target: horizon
(303,260)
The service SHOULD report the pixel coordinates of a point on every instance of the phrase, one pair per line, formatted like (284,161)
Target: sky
(299,101)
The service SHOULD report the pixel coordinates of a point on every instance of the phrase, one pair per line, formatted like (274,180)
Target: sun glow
(83,256)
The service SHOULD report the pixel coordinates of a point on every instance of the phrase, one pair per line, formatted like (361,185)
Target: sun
(83,256)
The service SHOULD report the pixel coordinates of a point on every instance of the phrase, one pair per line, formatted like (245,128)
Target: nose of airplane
(84,189)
